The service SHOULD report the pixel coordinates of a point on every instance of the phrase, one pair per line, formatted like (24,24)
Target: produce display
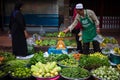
(6,56)
(106,51)
(58,34)
(116,50)
(61,34)
(70,65)
(93,61)
(13,64)
(21,72)
(39,57)
(2,73)
(60,44)
(1,59)
(53,42)
(50,69)
(111,40)
(76,56)
(118,66)
(71,62)
(106,73)
(75,73)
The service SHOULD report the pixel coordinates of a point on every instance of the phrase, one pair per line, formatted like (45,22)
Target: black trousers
(86,47)
(79,44)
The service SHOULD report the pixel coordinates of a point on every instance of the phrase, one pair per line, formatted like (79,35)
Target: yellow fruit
(103,45)
(118,66)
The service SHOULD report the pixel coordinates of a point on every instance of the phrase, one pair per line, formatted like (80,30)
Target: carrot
(77,56)
(1,58)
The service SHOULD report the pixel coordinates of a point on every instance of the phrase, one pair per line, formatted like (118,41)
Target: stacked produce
(50,69)
(54,34)
(1,59)
(106,51)
(76,56)
(13,64)
(111,40)
(6,56)
(21,72)
(118,66)
(53,42)
(38,57)
(106,73)
(71,62)
(61,34)
(16,68)
(2,73)
(116,50)
(93,61)
(75,73)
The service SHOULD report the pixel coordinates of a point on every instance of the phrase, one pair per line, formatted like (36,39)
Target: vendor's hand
(98,30)
(66,30)
(26,34)
(79,34)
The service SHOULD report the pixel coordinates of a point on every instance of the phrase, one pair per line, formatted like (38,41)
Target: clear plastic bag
(99,38)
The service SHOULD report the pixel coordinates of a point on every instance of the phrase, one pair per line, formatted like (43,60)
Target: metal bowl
(74,78)
(105,51)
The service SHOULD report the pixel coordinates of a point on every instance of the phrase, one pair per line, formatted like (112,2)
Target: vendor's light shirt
(90,14)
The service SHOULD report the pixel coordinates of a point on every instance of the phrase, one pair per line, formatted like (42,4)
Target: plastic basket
(56,51)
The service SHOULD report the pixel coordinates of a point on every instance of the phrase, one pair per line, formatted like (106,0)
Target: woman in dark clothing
(17,30)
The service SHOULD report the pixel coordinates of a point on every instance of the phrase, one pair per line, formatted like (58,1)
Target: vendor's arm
(72,26)
(95,19)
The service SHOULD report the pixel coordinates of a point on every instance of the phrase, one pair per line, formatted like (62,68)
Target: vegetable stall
(67,65)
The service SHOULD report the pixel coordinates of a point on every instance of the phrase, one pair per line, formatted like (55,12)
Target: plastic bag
(99,38)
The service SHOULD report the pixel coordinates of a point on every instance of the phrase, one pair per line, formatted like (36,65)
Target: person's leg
(86,48)
(79,44)
(96,46)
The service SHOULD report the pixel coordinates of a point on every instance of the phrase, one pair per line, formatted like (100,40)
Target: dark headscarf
(18,5)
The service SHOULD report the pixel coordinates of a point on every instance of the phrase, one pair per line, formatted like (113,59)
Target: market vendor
(90,25)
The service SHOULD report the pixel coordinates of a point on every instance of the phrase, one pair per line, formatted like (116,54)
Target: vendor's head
(18,5)
(79,8)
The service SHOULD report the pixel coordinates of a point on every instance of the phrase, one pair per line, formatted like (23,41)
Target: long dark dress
(17,27)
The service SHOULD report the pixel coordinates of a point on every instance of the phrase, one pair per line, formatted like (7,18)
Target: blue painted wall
(39,19)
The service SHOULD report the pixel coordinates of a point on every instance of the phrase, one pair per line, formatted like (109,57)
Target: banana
(118,66)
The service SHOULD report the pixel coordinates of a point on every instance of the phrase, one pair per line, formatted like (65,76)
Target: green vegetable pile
(2,73)
(13,64)
(75,73)
(61,34)
(70,62)
(55,34)
(7,56)
(21,73)
(106,73)
(93,61)
(38,57)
